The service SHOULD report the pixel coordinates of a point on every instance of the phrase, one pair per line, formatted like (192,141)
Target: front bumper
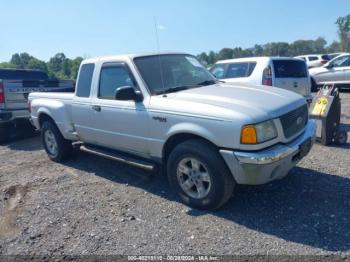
(254,168)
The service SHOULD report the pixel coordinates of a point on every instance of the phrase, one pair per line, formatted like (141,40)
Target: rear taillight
(324,62)
(2,93)
(267,76)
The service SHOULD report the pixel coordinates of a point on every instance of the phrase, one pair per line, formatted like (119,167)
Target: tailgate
(297,85)
(291,74)
(17,91)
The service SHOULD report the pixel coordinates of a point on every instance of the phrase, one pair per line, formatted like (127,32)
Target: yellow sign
(320,106)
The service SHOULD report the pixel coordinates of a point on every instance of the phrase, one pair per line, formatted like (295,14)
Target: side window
(341,61)
(84,80)
(240,69)
(112,77)
(313,58)
(218,71)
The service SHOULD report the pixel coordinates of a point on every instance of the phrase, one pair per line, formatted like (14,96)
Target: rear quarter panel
(59,110)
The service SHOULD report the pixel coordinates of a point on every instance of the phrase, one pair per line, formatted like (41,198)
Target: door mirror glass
(128,93)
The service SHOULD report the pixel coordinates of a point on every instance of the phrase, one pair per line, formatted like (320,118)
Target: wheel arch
(178,138)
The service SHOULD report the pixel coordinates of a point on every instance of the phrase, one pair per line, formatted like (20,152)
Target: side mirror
(329,66)
(128,93)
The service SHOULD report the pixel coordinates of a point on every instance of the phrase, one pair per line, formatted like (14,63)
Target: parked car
(334,55)
(337,71)
(167,109)
(314,60)
(283,72)
(15,85)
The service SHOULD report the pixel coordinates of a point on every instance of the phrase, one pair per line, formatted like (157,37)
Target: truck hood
(250,103)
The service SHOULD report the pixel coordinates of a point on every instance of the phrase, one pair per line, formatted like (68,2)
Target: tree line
(61,67)
(299,47)
(58,66)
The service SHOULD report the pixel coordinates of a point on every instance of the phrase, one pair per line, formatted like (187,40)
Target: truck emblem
(160,119)
(299,120)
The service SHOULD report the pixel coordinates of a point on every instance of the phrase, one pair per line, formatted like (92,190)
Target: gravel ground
(91,205)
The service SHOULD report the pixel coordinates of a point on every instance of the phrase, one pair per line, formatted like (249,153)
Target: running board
(118,157)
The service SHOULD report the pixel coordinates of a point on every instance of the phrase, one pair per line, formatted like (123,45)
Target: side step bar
(118,157)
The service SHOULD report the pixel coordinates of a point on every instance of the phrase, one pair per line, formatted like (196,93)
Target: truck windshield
(172,73)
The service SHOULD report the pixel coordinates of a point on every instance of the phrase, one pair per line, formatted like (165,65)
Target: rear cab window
(84,80)
(289,68)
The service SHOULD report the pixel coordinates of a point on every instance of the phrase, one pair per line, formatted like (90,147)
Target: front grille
(294,121)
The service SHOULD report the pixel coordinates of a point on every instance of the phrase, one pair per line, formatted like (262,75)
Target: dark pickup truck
(15,86)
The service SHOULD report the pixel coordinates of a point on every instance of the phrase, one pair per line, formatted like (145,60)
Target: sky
(91,28)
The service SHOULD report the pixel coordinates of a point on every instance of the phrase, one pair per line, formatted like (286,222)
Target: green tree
(203,57)
(225,53)
(212,58)
(344,32)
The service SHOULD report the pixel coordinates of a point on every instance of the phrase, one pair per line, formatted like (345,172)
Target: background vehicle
(314,60)
(283,72)
(337,71)
(334,55)
(15,86)
(167,109)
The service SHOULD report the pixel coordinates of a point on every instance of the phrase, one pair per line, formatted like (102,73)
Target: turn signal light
(248,135)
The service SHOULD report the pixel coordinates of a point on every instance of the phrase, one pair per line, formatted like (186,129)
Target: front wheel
(56,147)
(199,175)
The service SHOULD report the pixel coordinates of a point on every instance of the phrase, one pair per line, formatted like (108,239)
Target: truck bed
(17,91)
(53,95)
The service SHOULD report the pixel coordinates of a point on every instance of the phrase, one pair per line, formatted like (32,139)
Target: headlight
(259,133)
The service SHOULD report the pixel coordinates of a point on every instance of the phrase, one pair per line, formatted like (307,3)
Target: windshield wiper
(177,89)
(207,83)
(185,87)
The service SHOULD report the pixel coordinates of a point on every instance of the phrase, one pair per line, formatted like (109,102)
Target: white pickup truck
(168,110)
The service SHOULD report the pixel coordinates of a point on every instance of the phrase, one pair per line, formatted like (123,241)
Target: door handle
(96,108)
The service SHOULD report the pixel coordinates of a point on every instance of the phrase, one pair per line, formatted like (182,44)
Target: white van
(284,72)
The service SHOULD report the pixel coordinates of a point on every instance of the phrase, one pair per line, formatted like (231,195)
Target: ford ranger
(15,86)
(168,110)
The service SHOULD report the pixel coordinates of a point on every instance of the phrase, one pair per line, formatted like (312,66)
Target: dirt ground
(91,205)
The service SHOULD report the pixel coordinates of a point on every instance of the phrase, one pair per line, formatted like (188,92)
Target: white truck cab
(167,109)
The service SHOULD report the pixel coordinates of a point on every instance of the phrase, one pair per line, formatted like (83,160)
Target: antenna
(158,52)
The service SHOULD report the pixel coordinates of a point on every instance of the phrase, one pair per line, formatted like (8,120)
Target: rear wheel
(199,175)
(56,147)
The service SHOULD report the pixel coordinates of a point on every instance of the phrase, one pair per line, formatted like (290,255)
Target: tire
(202,159)
(341,137)
(314,87)
(57,148)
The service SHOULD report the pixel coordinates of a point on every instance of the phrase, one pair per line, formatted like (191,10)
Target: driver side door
(119,124)
(338,70)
